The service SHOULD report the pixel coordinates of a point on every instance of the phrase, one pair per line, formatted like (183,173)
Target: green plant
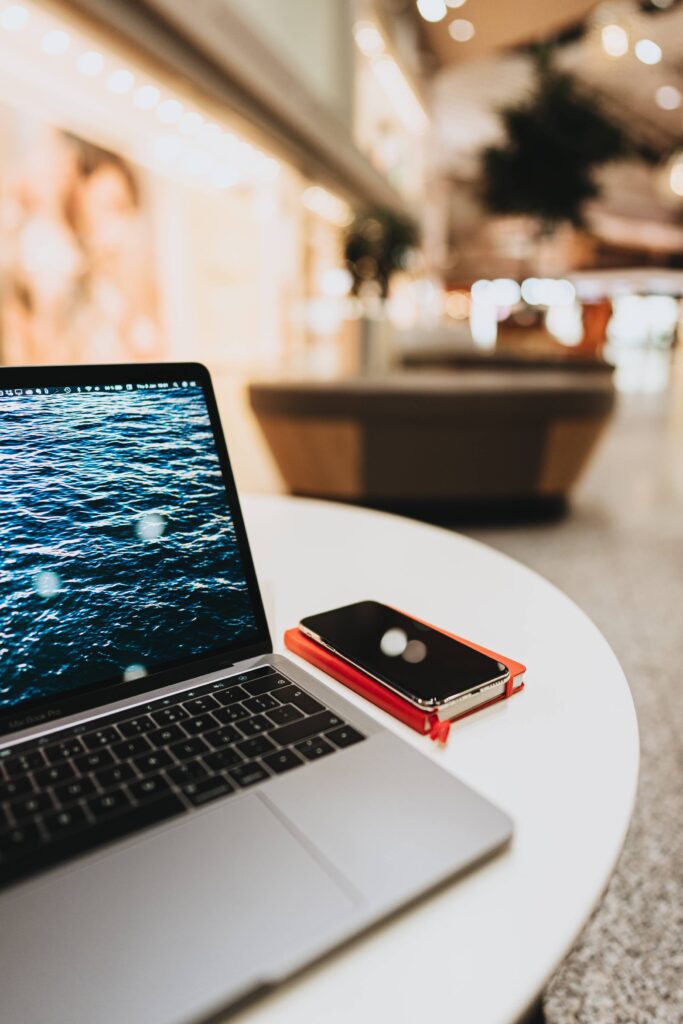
(554,142)
(378,243)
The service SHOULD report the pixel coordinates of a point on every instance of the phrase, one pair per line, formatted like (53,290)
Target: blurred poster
(77,267)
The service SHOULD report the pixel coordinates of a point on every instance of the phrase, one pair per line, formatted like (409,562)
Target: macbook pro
(186,817)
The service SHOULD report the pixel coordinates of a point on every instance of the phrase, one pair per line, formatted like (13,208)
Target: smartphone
(428,668)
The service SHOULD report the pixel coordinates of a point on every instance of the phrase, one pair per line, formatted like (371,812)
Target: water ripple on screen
(117,546)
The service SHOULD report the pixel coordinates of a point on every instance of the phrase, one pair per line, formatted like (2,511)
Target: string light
(90,63)
(55,41)
(120,81)
(170,111)
(214,156)
(14,18)
(146,97)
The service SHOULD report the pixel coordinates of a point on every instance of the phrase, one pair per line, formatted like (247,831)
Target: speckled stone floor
(619,555)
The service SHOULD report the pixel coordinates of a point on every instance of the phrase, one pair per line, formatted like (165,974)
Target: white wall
(313,38)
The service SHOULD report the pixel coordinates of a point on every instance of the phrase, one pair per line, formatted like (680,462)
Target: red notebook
(422,721)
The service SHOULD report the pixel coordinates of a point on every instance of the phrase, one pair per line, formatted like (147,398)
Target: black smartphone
(428,668)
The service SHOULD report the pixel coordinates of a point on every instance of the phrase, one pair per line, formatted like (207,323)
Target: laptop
(186,817)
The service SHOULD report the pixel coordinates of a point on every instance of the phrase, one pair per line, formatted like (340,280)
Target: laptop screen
(119,551)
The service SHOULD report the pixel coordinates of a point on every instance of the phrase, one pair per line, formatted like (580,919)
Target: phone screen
(414,659)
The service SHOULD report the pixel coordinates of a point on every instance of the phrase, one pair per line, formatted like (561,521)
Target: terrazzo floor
(619,555)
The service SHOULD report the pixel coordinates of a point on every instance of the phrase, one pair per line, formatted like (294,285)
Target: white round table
(561,758)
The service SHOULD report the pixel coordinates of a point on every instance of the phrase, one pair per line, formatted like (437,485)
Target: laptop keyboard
(80,787)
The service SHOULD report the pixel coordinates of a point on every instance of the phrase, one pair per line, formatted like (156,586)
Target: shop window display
(78,278)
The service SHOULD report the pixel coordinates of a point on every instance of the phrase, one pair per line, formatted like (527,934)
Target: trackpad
(175,922)
(389,819)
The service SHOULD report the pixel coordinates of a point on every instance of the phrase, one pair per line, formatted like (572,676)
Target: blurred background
(432,253)
(342,189)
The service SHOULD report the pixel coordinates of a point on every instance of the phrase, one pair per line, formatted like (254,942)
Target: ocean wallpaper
(117,547)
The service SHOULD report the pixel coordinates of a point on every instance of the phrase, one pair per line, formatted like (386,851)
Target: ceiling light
(614,40)
(368,38)
(170,111)
(454,3)
(14,17)
(146,97)
(432,10)
(668,97)
(210,132)
(120,81)
(90,63)
(461,30)
(648,51)
(55,41)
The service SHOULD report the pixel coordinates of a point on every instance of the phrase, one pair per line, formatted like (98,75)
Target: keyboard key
(235,713)
(149,764)
(255,746)
(265,685)
(301,730)
(92,761)
(150,788)
(170,715)
(113,802)
(31,806)
(283,760)
(208,789)
(52,776)
(222,759)
(77,789)
(201,704)
(263,703)
(199,724)
(139,725)
(248,774)
(255,673)
(344,736)
(24,763)
(109,778)
(230,695)
(132,748)
(188,748)
(285,714)
(13,788)
(312,749)
(218,738)
(63,751)
(18,840)
(304,701)
(164,737)
(191,771)
(101,737)
(255,725)
(61,822)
